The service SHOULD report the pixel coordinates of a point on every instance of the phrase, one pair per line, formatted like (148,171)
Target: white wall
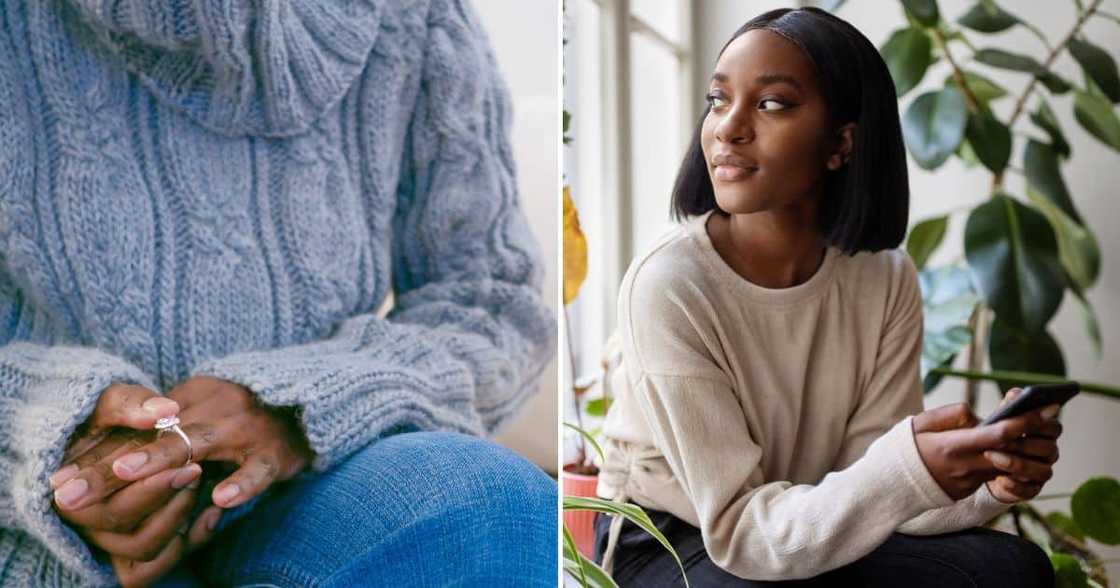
(1092,423)
(526,42)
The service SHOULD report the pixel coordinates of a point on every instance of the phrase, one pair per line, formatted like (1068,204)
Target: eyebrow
(764,79)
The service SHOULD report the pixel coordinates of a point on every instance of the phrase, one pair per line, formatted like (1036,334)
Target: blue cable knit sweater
(231,188)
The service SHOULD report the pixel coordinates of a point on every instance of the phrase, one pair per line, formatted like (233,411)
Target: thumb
(132,406)
(944,418)
(1011,394)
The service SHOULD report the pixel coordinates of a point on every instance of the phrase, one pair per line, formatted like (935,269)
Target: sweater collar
(241,67)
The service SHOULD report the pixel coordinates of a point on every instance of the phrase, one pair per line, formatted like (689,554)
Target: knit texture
(232,188)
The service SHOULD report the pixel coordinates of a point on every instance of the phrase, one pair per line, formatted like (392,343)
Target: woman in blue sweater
(204,205)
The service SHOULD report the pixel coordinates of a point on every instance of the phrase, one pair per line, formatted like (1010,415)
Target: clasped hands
(129,492)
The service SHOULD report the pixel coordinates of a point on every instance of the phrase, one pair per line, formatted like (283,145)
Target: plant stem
(975,353)
(1082,17)
(1028,378)
(1052,496)
(958,75)
(1109,16)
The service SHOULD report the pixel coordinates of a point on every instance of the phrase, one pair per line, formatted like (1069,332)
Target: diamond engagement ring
(172,423)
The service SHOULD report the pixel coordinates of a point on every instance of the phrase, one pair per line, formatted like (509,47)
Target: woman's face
(765,138)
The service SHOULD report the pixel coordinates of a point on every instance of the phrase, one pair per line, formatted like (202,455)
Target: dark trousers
(976,557)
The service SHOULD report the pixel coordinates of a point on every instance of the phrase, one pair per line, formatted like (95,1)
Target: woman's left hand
(225,423)
(1029,461)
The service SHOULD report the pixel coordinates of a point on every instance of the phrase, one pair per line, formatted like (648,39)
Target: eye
(782,105)
(715,100)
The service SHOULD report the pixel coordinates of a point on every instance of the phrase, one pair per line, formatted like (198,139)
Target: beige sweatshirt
(777,421)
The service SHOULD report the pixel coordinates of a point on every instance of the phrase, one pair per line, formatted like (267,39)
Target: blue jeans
(413,509)
(970,558)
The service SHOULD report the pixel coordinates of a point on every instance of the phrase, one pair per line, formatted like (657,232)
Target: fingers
(1044,450)
(167,451)
(153,535)
(996,434)
(95,480)
(1020,468)
(1018,490)
(128,405)
(132,573)
(944,418)
(253,477)
(126,509)
(110,444)
(202,531)
(1011,394)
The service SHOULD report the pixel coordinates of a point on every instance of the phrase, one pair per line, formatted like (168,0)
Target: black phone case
(1032,397)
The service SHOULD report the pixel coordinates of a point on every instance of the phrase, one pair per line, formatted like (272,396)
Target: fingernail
(226,493)
(71,492)
(212,520)
(160,406)
(131,462)
(998,458)
(184,476)
(61,476)
(1050,412)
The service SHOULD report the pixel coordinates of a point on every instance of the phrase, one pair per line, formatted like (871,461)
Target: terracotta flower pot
(581,523)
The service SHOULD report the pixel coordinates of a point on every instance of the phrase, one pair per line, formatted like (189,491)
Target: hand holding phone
(1033,397)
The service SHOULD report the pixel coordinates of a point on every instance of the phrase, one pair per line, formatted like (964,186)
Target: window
(627,85)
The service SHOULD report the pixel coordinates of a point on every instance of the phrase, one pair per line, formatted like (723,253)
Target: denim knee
(1033,567)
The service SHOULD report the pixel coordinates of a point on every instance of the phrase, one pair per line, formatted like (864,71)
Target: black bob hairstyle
(865,203)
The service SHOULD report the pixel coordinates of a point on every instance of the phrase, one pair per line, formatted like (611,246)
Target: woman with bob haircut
(771,416)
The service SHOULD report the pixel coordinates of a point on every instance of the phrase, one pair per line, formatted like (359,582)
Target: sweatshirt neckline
(814,286)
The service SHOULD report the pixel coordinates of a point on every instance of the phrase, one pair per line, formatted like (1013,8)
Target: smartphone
(1033,397)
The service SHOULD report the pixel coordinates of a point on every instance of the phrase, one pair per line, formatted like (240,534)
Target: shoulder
(888,280)
(666,315)
(665,274)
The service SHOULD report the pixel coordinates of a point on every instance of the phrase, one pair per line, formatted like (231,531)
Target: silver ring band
(172,424)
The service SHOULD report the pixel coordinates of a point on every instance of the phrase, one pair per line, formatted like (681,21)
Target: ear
(842,150)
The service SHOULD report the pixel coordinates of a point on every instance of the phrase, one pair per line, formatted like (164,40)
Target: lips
(730,167)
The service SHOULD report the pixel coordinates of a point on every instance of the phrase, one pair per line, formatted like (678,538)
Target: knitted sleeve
(470,333)
(45,393)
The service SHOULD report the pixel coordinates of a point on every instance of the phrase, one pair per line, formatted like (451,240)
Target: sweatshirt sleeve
(46,392)
(470,334)
(893,393)
(752,528)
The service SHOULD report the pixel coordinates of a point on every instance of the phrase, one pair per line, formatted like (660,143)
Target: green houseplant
(1022,252)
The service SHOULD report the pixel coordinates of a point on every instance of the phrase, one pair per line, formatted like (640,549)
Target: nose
(735,128)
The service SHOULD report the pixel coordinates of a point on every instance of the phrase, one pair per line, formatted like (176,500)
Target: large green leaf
(632,512)
(987,17)
(1013,255)
(1067,571)
(1077,246)
(1096,115)
(990,140)
(947,303)
(934,126)
(925,11)
(1068,526)
(1019,62)
(1045,119)
(908,55)
(1099,65)
(1040,164)
(1012,349)
(982,88)
(1096,508)
(924,239)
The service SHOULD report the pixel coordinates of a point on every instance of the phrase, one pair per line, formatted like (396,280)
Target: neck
(777,248)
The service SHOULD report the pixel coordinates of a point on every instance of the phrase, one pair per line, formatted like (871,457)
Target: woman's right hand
(952,446)
(135,521)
